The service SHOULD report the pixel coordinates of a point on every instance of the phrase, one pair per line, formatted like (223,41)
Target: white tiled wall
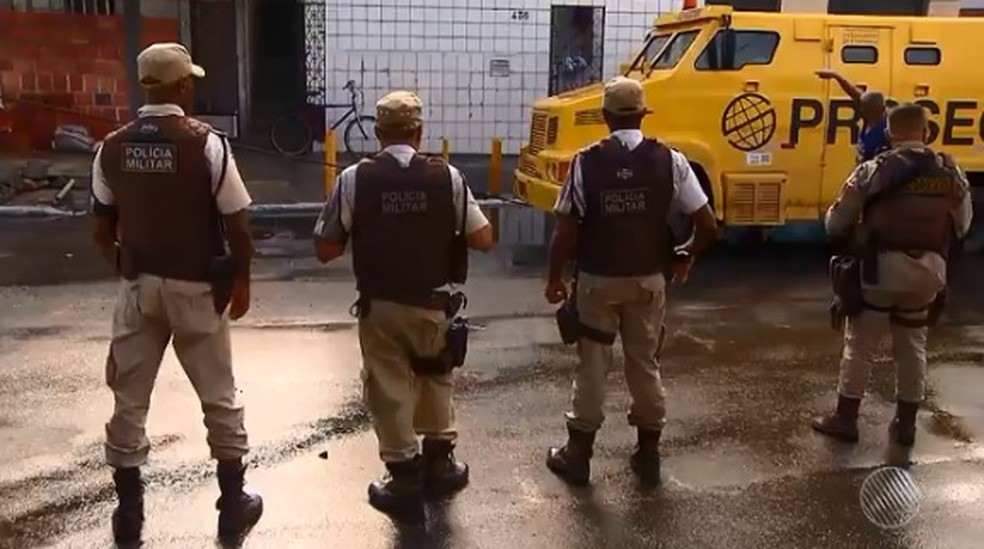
(441,49)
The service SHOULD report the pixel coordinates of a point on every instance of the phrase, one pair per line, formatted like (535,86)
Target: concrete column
(804,6)
(944,8)
(131,48)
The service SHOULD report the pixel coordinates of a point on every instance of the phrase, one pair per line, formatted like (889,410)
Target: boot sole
(228,533)
(837,435)
(566,476)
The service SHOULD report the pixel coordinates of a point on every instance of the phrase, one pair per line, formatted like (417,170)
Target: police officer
(404,213)
(166,197)
(908,203)
(873,110)
(612,220)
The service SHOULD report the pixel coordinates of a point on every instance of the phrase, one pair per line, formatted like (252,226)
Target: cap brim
(197,71)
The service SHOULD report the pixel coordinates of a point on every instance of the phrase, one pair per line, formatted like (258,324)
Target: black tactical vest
(915,191)
(403,227)
(162,183)
(627,195)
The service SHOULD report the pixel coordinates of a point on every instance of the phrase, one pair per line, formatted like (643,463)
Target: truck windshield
(675,51)
(654,44)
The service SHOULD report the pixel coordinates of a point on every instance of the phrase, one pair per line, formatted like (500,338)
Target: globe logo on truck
(748,122)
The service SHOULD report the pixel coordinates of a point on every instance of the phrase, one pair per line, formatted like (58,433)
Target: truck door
(863,55)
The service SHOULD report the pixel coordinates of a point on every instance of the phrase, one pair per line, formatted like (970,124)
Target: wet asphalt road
(749,360)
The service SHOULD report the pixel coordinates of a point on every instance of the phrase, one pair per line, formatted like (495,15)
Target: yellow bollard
(331,158)
(495,183)
(445,148)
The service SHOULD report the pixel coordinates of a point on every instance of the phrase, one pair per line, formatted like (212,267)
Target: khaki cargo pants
(150,312)
(864,333)
(634,309)
(403,405)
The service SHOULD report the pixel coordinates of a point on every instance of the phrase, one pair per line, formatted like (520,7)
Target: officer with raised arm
(166,200)
(902,211)
(411,220)
(612,218)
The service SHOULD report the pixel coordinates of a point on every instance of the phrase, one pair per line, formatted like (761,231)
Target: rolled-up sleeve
(464,202)
(570,201)
(688,195)
(102,201)
(335,221)
(963,214)
(844,213)
(228,186)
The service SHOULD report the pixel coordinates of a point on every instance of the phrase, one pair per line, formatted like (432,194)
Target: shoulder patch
(197,127)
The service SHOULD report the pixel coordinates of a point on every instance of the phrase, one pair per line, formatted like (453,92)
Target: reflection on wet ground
(749,360)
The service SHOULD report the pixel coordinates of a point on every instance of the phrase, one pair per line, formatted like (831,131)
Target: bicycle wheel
(360,136)
(290,135)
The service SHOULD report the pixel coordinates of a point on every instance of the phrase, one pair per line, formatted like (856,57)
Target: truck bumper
(539,193)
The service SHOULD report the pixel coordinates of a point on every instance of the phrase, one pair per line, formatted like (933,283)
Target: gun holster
(845,278)
(568,323)
(936,308)
(221,277)
(455,343)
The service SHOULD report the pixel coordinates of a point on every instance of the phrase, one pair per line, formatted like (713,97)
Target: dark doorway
(749,5)
(576,47)
(213,45)
(878,7)
(278,54)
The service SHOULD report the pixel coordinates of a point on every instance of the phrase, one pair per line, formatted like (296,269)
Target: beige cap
(165,63)
(625,96)
(399,109)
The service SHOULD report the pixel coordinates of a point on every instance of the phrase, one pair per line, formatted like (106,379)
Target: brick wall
(73,65)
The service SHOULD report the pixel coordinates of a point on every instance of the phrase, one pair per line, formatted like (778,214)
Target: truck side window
(923,55)
(671,54)
(732,50)
(867,55)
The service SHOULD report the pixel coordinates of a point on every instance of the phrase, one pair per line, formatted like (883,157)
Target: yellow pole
(331,158)
(445,148)
(495,182)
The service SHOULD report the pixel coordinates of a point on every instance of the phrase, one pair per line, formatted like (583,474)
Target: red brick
(61,83)
(75,83)
(6,64)
(106,67)
(122,113)
(46,82)
(107,84)
(83,99)
(29,82)
(10,82)
(90,83)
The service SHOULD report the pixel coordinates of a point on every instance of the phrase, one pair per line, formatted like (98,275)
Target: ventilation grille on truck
(538,132)
(588,118)
(755,203)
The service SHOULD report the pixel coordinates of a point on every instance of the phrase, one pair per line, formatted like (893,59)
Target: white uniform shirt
(230,193)
(688,196)
(335,222)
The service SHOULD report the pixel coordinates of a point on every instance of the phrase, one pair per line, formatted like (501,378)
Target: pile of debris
(40,183)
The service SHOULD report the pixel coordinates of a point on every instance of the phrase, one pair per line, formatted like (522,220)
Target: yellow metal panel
(754,198)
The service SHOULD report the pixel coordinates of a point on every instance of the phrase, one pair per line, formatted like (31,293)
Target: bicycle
(292,134)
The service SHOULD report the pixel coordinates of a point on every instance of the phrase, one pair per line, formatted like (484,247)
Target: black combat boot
(238,510)
(443,474)
(842,424)
(573,461)
(903,427)
(128,517)
(645,460)
(401,491)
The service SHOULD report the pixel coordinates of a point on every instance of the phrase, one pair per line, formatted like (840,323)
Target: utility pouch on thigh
(221,275)
(126,263)
(568,323)
(431,366)
(845,277)
(596,335)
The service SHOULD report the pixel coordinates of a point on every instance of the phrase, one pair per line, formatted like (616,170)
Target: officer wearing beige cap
(612,217)
(167,199)
(411,219)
